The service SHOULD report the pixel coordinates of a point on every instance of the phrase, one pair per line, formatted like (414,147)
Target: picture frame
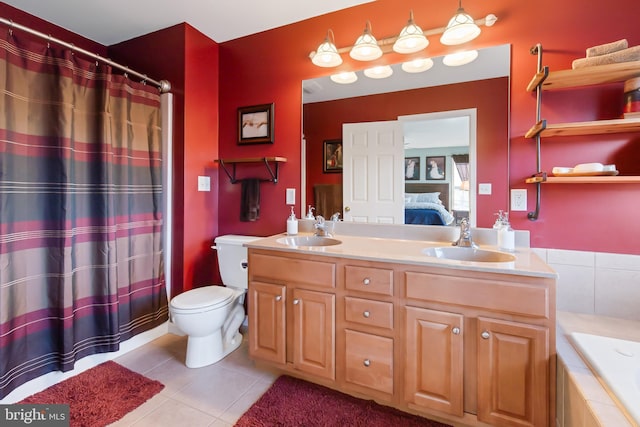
(411,168)
(332,156)
(255,124)
(436,168)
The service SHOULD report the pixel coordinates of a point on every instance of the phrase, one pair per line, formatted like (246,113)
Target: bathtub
(617,364)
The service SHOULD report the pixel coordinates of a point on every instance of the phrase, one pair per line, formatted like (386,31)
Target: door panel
(373,180)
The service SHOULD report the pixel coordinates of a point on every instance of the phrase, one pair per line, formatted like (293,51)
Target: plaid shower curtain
(81,265)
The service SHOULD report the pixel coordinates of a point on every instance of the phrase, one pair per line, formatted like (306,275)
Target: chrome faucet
(323,228)
(465,240)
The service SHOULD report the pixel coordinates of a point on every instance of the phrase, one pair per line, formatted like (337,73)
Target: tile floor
(215,395)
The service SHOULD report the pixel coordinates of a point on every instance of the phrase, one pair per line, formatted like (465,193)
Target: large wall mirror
(455,125)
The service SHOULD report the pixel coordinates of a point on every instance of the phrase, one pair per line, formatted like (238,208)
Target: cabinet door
(434,360)
(513,373)
(267,334)
(314,332)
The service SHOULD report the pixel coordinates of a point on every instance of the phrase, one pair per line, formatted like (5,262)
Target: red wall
(323,120)
(189,60)
(268,67)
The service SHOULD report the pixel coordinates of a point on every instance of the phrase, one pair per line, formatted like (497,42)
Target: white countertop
(409,251)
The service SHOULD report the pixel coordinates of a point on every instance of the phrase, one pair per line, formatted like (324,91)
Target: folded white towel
(625,55)
(606,48)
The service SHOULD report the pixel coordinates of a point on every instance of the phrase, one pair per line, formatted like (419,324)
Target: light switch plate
(204,183)
(484,188)
(291,196)
(518,199)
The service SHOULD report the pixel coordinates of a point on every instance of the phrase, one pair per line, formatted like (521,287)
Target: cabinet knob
(278,297)
(485,335)
(367,362)
(366,314)
(366,281)
(455,331)
(296,301)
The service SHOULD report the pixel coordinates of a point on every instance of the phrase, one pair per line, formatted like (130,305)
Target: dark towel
(250,199)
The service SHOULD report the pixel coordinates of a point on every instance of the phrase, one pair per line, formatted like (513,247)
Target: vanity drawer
(369,313)
(507,297)
(292,270)
(369,279)
(369,361)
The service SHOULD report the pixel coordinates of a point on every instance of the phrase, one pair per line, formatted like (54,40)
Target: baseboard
(47,380)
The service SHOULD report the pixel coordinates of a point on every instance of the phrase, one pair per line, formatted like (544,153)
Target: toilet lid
(205,297)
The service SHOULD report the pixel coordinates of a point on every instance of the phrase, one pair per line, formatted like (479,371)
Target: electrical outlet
(291,196)
(519,200)
(204,183)
(484,188)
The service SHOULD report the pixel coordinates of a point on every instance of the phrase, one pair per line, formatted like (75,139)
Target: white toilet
(212,315)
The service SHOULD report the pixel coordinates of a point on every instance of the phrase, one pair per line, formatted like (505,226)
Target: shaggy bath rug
(100,395)
(293,402)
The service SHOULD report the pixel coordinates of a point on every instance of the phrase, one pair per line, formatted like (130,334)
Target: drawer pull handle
(456,331)
(278,297)
(366,281)
(367,362)
(296,301)
(366,314)
(485,335)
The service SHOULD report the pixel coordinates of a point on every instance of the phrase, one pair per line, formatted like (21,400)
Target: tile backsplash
(597,283)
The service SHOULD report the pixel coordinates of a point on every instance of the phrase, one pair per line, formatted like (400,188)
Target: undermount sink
(468,254)
(308,241)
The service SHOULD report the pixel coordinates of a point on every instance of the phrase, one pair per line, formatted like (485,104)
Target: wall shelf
(597,127)
(584,179)
(544,80)
(588,76)
(273,172)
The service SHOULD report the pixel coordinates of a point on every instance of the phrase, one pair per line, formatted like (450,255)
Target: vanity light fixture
(327,55)
(461,28)
(379,72)
(460,58)
(366,47)
(411,38)
(417,65)
(345,77)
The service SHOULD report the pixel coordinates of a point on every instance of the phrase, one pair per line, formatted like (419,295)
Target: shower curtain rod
(163,85)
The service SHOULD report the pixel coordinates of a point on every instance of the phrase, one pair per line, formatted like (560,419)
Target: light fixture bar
(386,44)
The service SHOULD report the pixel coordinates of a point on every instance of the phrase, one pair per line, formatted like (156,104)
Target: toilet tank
(232,259)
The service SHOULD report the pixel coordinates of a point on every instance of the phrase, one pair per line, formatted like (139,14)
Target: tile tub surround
(602,284)
(582,401)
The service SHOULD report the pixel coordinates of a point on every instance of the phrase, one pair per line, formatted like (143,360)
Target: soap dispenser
(506,235)
(292,224)
(310,214)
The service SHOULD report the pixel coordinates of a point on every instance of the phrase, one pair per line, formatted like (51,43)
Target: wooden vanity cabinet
(467,347)
(481,344)
(291,304)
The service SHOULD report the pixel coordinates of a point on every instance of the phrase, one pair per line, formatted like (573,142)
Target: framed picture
(255,124)
(436,167)
(411,168)
(332,158)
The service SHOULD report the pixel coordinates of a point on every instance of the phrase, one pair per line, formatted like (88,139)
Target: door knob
(347,209)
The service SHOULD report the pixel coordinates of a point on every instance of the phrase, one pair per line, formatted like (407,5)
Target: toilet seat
(202,299)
